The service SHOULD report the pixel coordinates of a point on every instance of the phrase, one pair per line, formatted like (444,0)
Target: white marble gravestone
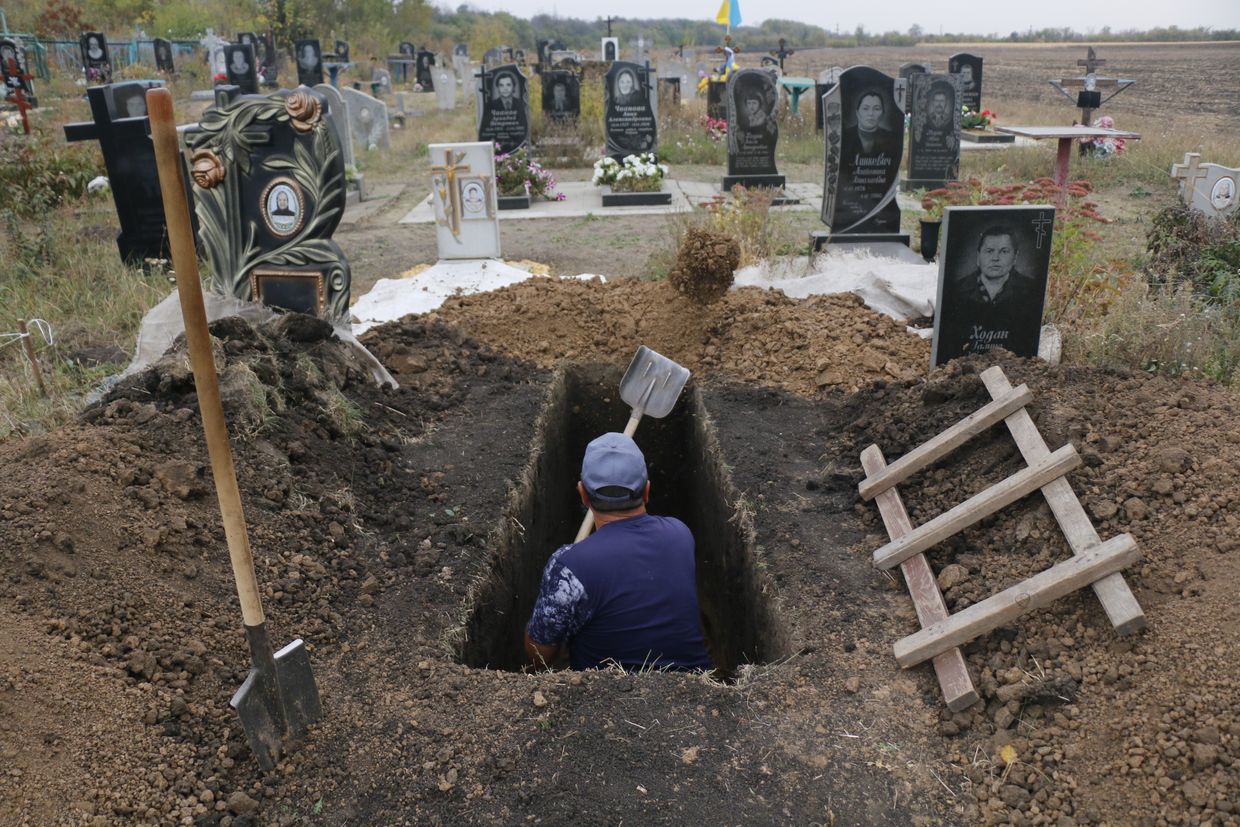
(214,44)
(368,119)
(466,207)
(445,87)
(1211,189)
(469,81)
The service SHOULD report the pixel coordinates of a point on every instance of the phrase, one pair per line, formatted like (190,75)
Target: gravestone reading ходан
(630,116)
(309,56)
(368,118)
(269,184)
(95,60)
(969,67)
(504,108)
(561,95)
(864,147)
(934,131)
(1211,189)
(753,129)
(119,124)
(465,200)
(992,280)
(242,68)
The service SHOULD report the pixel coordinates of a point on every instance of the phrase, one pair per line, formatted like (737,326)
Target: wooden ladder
(1094,562)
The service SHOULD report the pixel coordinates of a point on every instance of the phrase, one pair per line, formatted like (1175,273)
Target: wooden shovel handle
(189,286)
(587,522)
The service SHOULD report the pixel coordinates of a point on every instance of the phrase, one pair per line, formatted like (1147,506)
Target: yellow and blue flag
(729,13)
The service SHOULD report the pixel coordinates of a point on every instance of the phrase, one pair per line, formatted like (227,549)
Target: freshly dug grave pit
(688,481)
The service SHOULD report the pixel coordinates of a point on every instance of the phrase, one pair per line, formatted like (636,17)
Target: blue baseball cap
(614,461)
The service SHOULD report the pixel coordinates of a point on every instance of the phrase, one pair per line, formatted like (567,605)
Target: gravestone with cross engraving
(969,67)
(119,124)
(1211,189)
(269,187)
(992,280)
(630,110)
(464,195)
(504,108)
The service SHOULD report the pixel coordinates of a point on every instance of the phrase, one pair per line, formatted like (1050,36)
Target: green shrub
(37,175)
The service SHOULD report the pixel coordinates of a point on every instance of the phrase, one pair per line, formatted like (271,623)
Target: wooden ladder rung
(978,507)
(949,665)
(946,442)
(1042,588)
(1117,600)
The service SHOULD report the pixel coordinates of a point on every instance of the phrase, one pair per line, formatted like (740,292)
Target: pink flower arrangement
(516,172)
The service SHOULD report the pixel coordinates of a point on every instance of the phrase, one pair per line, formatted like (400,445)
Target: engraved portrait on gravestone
(237,63)
(242,67)
(281,207)
(503,116)
(630,123)
(309,62)
(870,147)
(95,58)
(1223,195)
(504,94)
(626,91)
(130,100)
(163,55)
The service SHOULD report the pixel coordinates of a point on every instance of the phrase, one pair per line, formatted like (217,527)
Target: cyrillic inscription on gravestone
(969,67)
(992,280)
(269,183)
(630,116)
(934,130)
(504,108)
(753,129)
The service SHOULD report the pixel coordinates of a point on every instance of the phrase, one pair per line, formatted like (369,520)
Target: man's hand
(542,655)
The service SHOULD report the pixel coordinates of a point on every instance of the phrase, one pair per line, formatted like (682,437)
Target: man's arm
(542,655)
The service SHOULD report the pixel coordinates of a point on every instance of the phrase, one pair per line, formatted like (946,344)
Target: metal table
(795,88)
(1067,137)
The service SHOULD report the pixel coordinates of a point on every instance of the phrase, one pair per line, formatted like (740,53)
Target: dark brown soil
(379,517)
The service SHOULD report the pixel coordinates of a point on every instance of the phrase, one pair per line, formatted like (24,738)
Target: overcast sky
(973,17)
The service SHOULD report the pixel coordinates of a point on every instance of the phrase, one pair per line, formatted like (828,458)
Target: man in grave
(626,594)
(993,300)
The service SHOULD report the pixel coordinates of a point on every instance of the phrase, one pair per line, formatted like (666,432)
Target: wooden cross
(783,53)
(1091,62)
(448,191)
(17,96)
(1188,172)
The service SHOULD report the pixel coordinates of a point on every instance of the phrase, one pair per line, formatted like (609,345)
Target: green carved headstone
(269,183)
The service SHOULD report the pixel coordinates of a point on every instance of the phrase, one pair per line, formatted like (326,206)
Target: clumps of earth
(706,263)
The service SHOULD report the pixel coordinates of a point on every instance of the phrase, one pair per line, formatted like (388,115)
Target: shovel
(279,699)
(651,386)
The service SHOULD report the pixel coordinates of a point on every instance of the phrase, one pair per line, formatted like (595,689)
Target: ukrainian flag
(729,13)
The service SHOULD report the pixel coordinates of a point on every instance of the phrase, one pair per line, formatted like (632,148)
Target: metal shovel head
(653,383)
(273,707)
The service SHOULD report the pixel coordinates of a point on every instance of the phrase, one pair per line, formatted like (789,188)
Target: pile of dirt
(750,335)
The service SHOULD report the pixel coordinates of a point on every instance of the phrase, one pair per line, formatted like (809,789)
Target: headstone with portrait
(248,39)
(217,61)
(561,95)
(269,187)
(16,70)
(119,123)
(163,56)
(342,51)
(864,147)
(460,61)
(424,72)
(1211,189)
(380,81)
(504,108)
(610,49)
(309,55)
(969,67)
(992,280)
(96,62)
(242,67)
(445,88)
(753,129)
(463,190)
(269,62)
(934,131)
(368,119)
(630,110)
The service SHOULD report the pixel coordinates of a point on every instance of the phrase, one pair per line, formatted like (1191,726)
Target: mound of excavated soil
(751,335)
(374,513)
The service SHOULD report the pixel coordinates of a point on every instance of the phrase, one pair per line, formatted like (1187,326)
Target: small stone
(1135,509)
(540,700)
(1014,796)
(242,804)
(852,685)
(1204,755)
(1195,793)
(1103,509)
(952,575)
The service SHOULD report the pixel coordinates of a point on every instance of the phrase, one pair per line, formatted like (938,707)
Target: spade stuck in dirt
(278,700)
(650,386)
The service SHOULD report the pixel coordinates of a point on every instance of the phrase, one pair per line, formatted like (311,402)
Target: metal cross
(1189,171)
(609,19)
(1091,62)
(448,194)
(1040,226)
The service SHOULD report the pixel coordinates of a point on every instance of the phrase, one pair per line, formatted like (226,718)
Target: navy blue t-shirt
(627,595)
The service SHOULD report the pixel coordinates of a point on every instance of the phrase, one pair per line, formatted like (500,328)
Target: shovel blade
(276,707)
(653,383)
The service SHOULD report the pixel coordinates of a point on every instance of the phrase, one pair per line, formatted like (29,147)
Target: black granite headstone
(95,60)
(611,49)
(970,68)
(716,105)
(269,188)
(424,75)
(630,116)
(907,70)
(309,62)
(269,63)
(163,56)
(561,95)
(16,70)
(992,280)
(827,79)
(753,129)
(504,108)
(342,51)
(119,124)
(241,67)
(864,147)
(461,50)
(934,131)
(407,49)
(248,39)
(492,57)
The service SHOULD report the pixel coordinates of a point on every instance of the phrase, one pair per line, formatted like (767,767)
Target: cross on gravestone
(1041,226)
(129,158)
(609,19)
(1218,193)
(465,200)
(1189,171)
(269,187)
(1092,62)
(783,52)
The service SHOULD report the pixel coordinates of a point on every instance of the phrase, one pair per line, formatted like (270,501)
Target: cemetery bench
(796,87)
(1067,136)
